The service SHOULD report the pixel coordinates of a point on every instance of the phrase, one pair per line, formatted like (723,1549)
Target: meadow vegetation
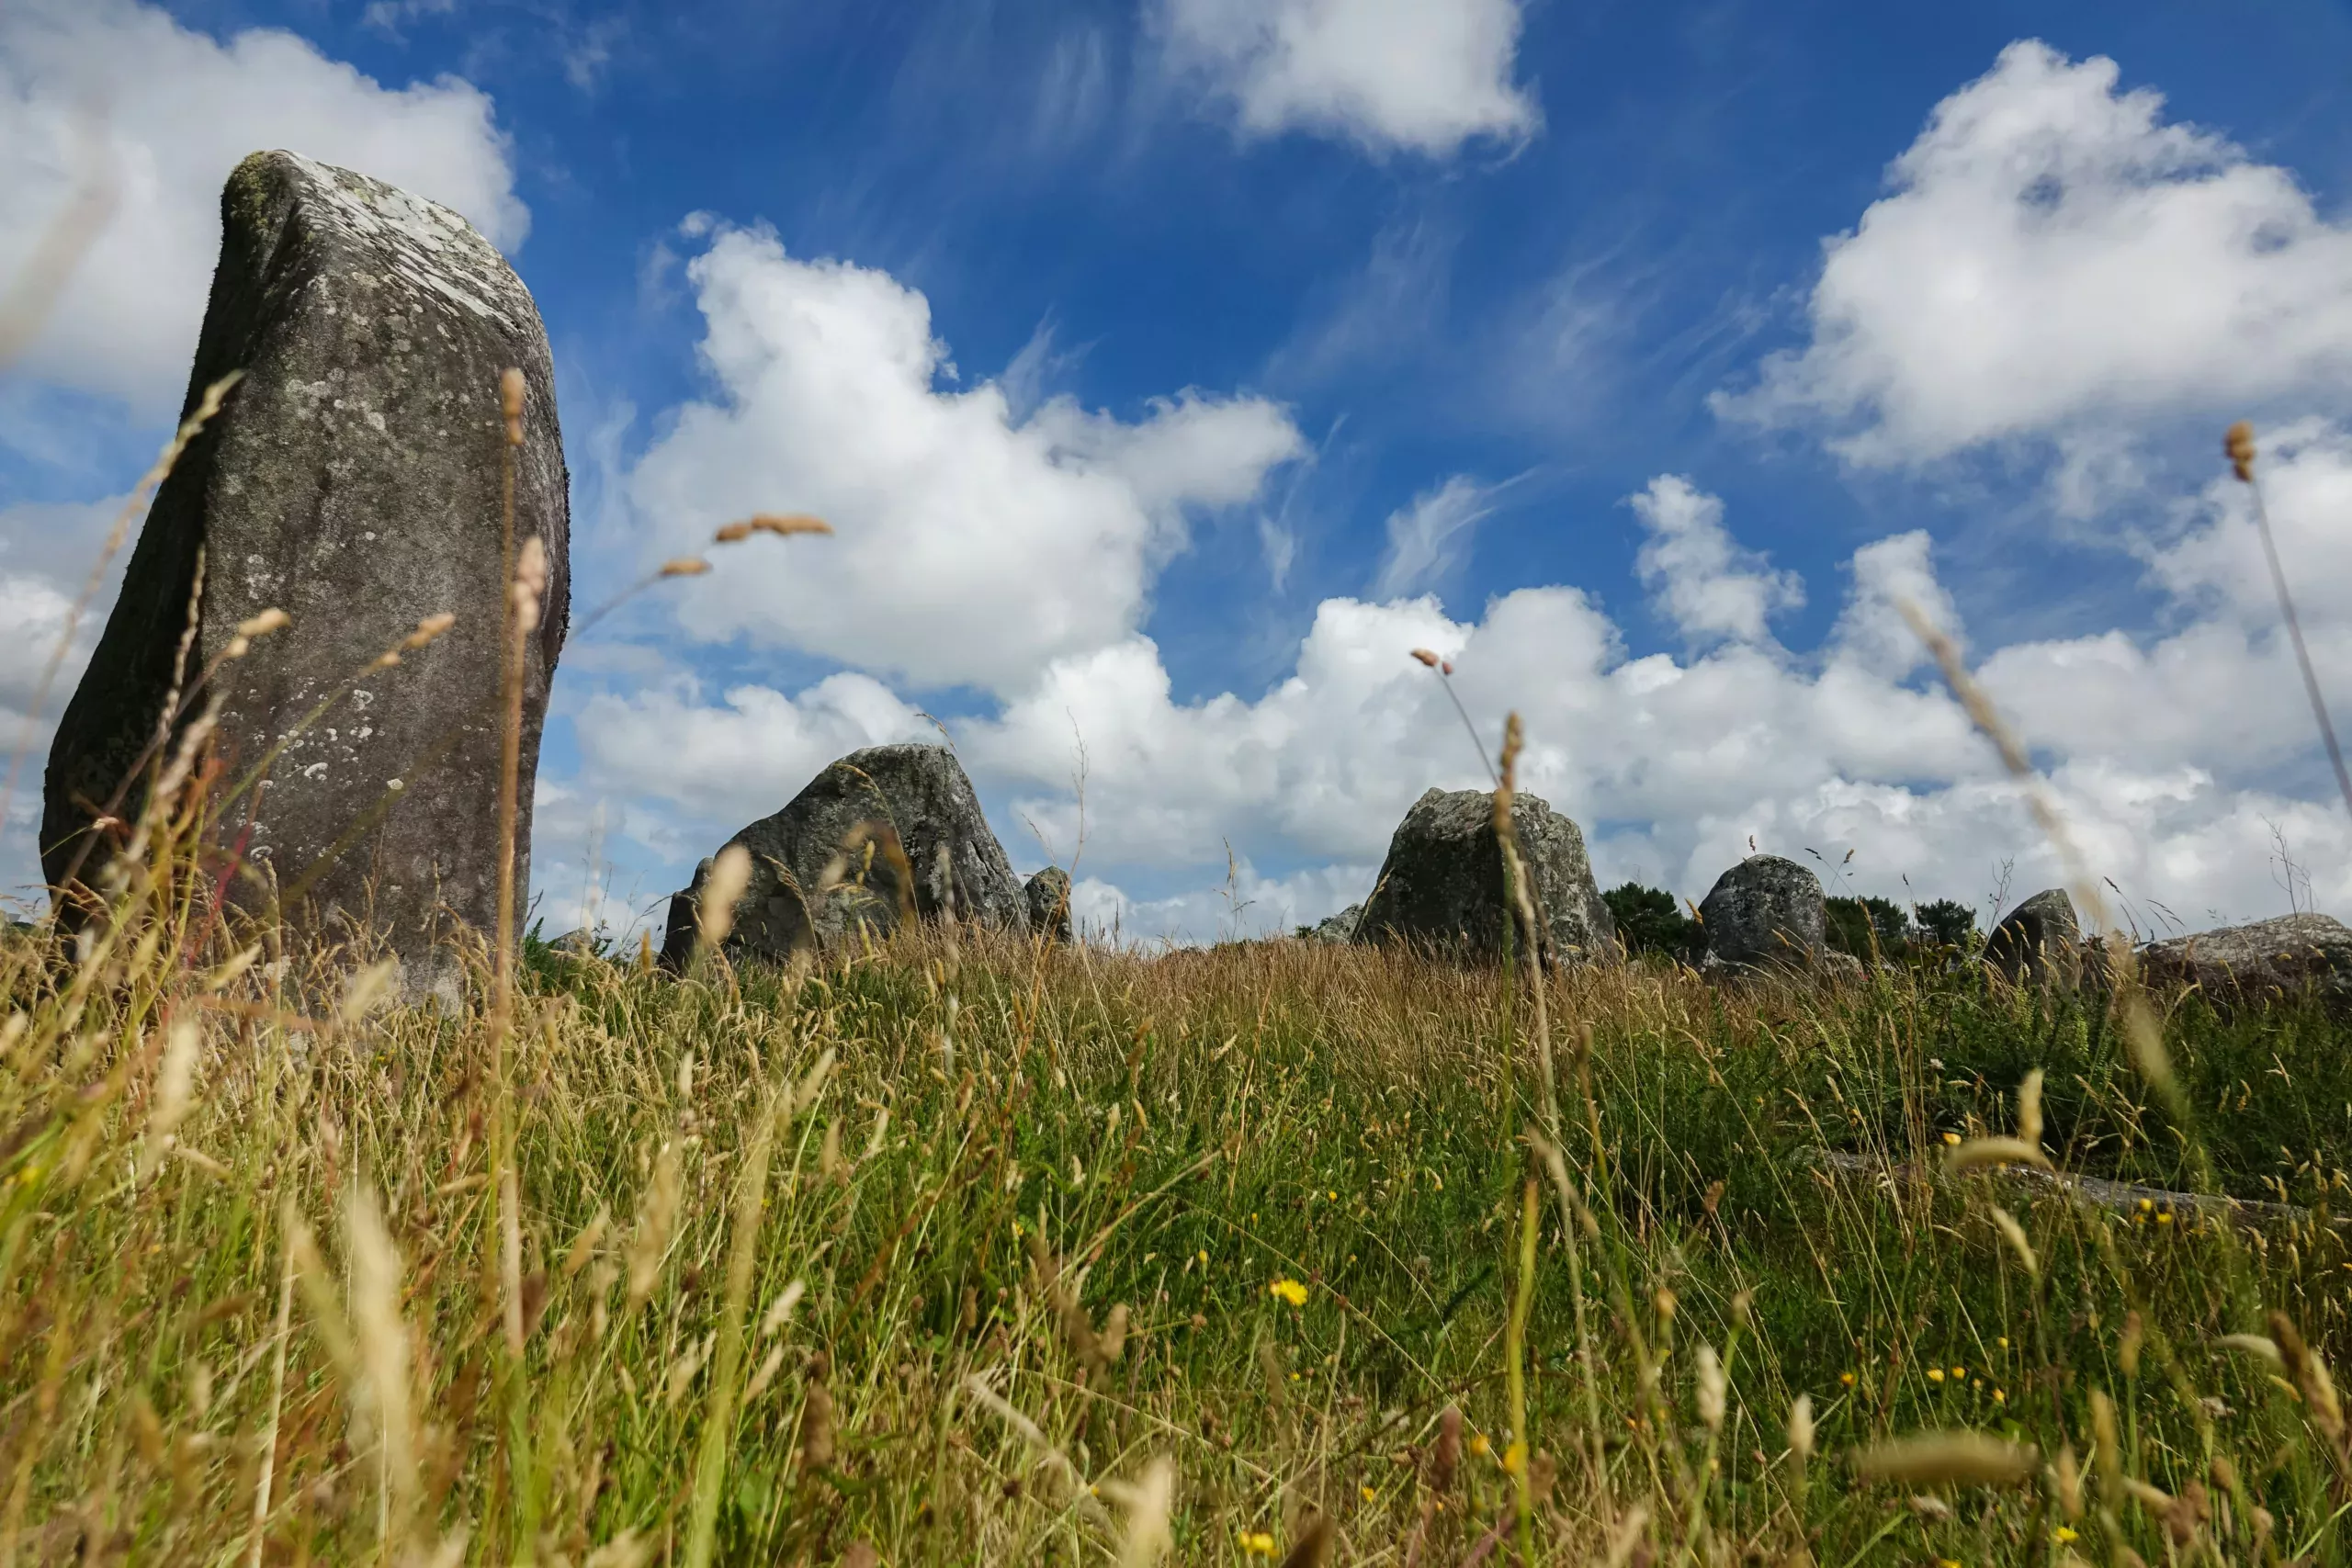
(961,1249)
(956,1247)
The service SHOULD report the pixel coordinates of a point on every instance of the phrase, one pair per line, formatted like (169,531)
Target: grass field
(978,1253)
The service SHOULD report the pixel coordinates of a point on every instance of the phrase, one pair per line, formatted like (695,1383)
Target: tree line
(1651,919)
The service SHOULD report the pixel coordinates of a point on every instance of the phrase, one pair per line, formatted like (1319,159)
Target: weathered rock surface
(1047,897)
(1339,927)
(2040,940)
(1442,886)
(1766,912)
(353,480)
(885,836)
(2263,962)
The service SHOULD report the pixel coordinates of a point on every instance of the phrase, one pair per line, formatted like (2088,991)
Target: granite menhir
(1442,886)
(352,480)
(883,837)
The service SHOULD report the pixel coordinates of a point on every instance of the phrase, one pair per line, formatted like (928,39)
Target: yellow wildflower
(2065,1535)
(1369,1493)
(1515,1456)
(1845,1378)
(1935,1374)
(1478,1444)
(1290,1290)
(1953,1138)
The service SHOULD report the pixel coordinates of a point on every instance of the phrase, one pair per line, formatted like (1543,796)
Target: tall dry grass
(954,1249)
(959,1250)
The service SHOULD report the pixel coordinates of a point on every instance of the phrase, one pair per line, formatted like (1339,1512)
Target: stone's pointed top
(880,836)
(1766,912)
(1442,886)
(418,242)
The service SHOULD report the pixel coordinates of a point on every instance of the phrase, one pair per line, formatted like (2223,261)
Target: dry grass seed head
(1714,1388)
(1446,1456)
(730,875)
(785,524)
(1955,1457)
(655,1222)
(427,629)
(1149,1500)
(270,620)
(510,391)
(2237,446)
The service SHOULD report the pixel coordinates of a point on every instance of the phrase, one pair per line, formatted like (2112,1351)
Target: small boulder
(1766,912)
(2039,942)
(885,836)
(1047,897)
(1442,886)
(2291,955)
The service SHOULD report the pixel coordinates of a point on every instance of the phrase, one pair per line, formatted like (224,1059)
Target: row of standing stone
(896,833)
(365,479)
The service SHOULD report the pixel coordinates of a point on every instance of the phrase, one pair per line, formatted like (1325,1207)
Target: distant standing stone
(883,837)
(2038,941)
(1765,911)
(1340,927)
(1047,896)
(2289,957)
(1442,886)
(353,480)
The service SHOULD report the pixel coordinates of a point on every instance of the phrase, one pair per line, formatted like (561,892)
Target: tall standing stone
(1442,886)
(353,480)
(1767,911)
(884,837)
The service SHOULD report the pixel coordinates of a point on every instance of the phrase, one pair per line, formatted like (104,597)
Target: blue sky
(1173,367)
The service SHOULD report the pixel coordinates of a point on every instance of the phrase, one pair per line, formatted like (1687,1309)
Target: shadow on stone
(883,838)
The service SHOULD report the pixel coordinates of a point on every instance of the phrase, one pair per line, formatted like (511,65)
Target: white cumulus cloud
(1699,575)
(2162,750)
(2055,255)
(1417,76)
(174,109)
(974,546)
(742,759)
